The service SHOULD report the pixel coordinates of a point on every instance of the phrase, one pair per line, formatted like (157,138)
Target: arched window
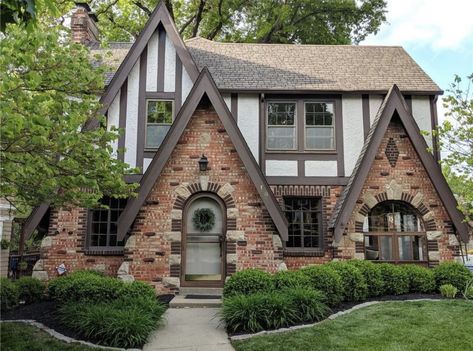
(394,232)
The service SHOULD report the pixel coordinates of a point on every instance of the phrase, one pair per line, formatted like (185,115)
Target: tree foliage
(262,21)
(24,12)
(48,92)
(456,142)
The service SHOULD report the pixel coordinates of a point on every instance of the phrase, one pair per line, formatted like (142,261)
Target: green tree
(25,12)
(48,92)
(456,142)
(262,21)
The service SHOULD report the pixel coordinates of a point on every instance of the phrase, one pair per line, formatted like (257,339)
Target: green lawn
(23,337)
(390,326)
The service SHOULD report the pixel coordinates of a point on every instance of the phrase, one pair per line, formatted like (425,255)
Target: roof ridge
(293,44)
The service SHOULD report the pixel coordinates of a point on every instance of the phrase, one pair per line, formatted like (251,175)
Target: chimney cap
(86,6)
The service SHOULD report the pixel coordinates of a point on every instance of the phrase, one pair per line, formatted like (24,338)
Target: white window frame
(334,148)
(277,126)
(156,124)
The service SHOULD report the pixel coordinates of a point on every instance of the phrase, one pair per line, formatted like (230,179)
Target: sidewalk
(190,329)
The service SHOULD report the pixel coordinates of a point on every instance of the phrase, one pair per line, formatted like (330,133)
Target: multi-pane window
(319,126)
(158,121)
(281,126)
(103,224)
(394,232)
(304,216)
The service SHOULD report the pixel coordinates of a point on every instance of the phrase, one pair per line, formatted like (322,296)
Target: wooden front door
(203,259)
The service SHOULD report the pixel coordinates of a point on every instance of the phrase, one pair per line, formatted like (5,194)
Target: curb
(63,337)
(331,317)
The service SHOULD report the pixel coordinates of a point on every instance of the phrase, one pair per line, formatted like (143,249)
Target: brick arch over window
(394,192)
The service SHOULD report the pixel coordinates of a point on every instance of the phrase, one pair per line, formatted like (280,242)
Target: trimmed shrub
(327,280)
(448,290)
(308,303)
(90,286)
(353,282)
(9,294)
(291,279)
(30,289)
(396,281)
(421,279)
(452,273)
(372,274)
(248,281)
(126,322)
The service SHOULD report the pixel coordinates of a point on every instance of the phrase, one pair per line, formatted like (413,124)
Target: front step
(200,291)
(180,301)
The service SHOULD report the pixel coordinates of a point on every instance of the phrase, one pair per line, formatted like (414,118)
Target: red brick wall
(152,256)
(408,179)
(65,244)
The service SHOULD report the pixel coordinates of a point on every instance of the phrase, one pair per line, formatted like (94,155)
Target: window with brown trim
(304,216)
(319,126)
(281,126)
(395,233)
(102,226)
(158,122)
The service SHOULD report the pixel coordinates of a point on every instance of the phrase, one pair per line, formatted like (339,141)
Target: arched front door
(203,241)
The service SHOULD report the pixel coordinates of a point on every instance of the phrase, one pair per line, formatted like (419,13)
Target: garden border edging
(63,337)
(331,317)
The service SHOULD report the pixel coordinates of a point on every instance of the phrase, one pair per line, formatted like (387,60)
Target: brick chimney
(84,25)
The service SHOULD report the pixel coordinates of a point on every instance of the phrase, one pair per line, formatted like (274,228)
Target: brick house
(258,156)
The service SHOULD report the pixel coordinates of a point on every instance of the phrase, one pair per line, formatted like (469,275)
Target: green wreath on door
(203,219)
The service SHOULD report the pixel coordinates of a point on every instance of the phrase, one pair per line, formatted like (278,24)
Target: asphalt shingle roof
(241,66)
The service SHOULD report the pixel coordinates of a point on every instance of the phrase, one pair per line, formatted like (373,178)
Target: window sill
(297,152)
(102,252)
(304,253)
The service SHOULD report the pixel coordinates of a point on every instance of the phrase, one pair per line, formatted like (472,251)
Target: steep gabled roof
(34,219)
(394,102)
(161,16)
(204,85)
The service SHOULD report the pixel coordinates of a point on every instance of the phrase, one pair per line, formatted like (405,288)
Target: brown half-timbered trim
(234,105)
(327,92)
(392,104)
(434,121)
(408,100)
(161,95)
(365,101)
(140,143)
(281,180)
(178,86)
(159,16)
(122,120)
(203,86)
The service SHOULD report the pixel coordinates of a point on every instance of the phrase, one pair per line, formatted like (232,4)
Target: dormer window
(158,122)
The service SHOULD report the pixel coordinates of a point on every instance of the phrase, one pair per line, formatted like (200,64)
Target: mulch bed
(46,312)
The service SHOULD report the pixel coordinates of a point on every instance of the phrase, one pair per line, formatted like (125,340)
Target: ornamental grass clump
(354,286)
(272,310)
(125,322)
(448,290)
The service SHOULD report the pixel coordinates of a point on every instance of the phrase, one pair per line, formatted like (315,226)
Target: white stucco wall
(421,113)
(320,168)
(281,168)
(131,135)
(146,162)
(375,104)
(353,133)
(113,119)
(248,121)
(186,84)
(152,63)
(228,100)
(169,66)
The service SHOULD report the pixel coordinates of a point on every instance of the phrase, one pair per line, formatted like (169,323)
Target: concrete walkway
(190,329)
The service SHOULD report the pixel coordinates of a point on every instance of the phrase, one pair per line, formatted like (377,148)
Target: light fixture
(203,162)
